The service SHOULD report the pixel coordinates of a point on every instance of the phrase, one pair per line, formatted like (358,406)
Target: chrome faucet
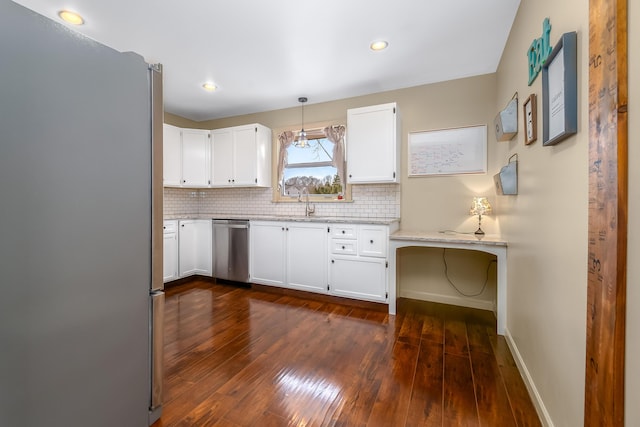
(308,209)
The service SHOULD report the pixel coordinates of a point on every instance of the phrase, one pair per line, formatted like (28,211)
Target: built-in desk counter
(488,243)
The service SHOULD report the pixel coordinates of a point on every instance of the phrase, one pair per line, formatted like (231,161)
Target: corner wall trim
(545,418)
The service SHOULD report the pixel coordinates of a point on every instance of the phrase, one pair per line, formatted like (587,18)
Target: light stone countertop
(447,237)
(289,218)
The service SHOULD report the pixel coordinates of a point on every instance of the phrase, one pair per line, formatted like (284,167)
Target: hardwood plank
(433,329)
(478,338)
(392,402)
(208,412)
(455,337)
(459,402)
(269,419)
(494,408)
(411,330)
(360,394)
(425,408)
(523,410)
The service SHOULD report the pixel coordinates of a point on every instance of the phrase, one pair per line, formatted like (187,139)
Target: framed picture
(530,109)
(448,151)
(560,91)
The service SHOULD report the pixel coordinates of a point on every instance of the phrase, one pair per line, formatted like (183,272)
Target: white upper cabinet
(373,144)
(241,156)
(195,158)
(186,154)
(172,156)
(222,155)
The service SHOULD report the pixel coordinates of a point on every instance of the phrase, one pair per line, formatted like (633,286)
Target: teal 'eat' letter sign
(539,51)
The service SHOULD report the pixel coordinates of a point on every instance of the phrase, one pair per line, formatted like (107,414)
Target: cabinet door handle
(282,228)
(343,231)
(333,261)
(343,248)
(371,241)
(181,225)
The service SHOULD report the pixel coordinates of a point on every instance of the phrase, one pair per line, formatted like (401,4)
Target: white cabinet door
(187,240)
(170,255)
(372,145)
(267,249)
(194,241)
(195,158)
(222,157)
(359,278)
(307,256)
(241,156)
(245,165)
(171,155)
(204,241)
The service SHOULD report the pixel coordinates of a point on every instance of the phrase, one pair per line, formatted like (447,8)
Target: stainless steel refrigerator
(80,229)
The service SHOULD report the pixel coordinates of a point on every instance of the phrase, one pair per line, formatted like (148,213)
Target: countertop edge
(282,218)
(434,236)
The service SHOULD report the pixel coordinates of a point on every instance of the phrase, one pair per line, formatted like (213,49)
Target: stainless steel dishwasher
(231,249)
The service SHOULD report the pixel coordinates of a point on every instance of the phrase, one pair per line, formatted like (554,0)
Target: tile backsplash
(369,201)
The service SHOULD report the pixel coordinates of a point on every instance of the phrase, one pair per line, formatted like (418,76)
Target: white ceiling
(264,54)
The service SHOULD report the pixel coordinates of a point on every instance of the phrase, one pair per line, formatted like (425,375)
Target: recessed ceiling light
(379,45)
(209,87)
(71,17)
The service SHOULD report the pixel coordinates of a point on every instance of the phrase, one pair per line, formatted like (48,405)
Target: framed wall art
(560,91)
(530,109)
(448,151)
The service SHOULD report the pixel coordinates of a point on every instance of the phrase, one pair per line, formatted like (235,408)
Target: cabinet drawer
(373,241)
(169,226)
(343,247)
(344,231)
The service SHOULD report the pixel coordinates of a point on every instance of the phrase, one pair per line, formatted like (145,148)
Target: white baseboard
(543,414)
(449,299)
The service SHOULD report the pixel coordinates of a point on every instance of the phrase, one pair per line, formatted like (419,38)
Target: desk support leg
(391,272)
(501,271)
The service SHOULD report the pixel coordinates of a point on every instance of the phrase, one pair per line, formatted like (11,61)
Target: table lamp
(480,207)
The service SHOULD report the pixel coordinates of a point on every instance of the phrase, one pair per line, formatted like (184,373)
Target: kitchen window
(318,167)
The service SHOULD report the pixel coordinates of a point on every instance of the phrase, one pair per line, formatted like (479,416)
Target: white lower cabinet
(267,252)
(289,254)
(307,256)
(358,261)
(170,250)
(359,277)
(346,260)
(195,241)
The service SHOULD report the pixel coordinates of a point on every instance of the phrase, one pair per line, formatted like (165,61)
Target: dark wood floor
(243,357)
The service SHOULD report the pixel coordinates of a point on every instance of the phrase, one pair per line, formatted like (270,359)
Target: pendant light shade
(302,141)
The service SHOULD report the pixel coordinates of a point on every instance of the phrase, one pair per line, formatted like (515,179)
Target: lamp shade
(480,206)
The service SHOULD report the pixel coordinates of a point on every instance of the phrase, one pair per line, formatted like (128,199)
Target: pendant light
(302,142)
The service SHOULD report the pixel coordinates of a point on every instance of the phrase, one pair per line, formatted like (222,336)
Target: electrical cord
(446,273)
